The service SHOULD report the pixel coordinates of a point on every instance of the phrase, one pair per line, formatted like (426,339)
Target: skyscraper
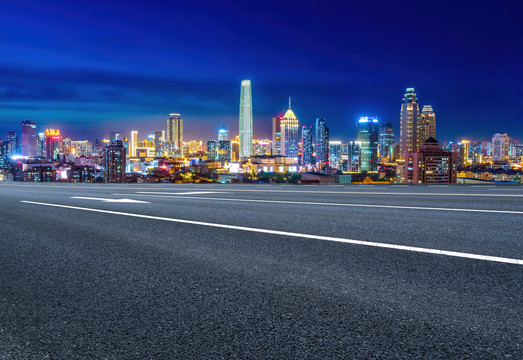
(368,141)
(245,119)
(431,164)
(52,143)
(409,114)
(224,151)
(29,138)
(426,125)
(306,136)
(40,147)
(386,139)
(223,134)
(158,143)
(322,143)
(114,162)
(211,150)
(335,154)
(500,147)
(276,135)
(175,130)
(133,144)
(115,135)
(289,133)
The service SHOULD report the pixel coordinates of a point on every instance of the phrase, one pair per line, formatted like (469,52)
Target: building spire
(289,102)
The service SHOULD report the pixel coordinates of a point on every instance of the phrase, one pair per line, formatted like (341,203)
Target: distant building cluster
(295,152)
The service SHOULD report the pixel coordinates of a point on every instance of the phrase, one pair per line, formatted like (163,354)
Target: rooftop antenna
(289,102)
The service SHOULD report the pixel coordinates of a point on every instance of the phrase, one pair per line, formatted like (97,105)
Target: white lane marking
(172,195)
(298,235)
(438,186)
(358,192)
(111,200)
(199,192)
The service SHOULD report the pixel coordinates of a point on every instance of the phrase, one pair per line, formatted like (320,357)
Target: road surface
(181,271)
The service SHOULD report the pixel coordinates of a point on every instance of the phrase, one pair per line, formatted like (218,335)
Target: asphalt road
(260,271)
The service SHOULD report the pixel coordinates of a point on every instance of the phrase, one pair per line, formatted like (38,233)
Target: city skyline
(88,87)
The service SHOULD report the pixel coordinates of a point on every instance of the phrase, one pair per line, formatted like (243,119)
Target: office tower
(245,119)
(224,151)
(114,162)
(261,147)
(223,134)
(430,165)
(276,135)
(409,121)
(158,143)
(133,144)
(500,147)
(335,154)
(52,143)
(386,140)
(40,145)
(29,138)
(426,125)
(306,139)
(289,126)
(368,140)
(321,143)
(353,156)
(175,130)
(115,135)
(13,143)
(464,150)
(211,150)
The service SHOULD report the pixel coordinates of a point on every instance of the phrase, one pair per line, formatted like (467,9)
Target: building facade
(29,138)
(430,165)
(306,136)
(289,133)
(409,114)
(368,141)
(500,147)
(245,127)
(426,126)
(321,147)
(175,130)
(385,140)
(114,162)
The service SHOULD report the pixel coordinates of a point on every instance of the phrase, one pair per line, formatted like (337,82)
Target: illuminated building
(276,135)
(426,126)
(289,133)
(158,143)
(235,148)
(13,146)
(114,162)
(335,154)
(261,147)
(386,140)
(194,147)
(353,156)
(133,144)
(224,151)
(115,135)
(40,145)
(223,134)
(409,114)
(81,147)
(211,150)
(430,165)
(500,147)
(245,119)
(306,136)
(175,130)
(368,141)
(29,138)
(464,150)
(322,143)
(52,143)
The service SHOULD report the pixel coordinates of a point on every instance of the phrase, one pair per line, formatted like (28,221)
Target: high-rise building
(409,121)
(158,143)
(306,138)
(223,134)
(276,135)
(353,156)
(289,133)
(175,130)
(52,143)
(386,140)
(40,145)
(245,119)
(115,135)
(224,151)
(211,150)
(133,144)
(500,147)
(235,148)
(335,154)
(114,162)
(368,141)
(426,125)
(321,143)
(29,138)
(430,165)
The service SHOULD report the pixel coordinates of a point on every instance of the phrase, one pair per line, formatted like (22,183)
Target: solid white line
(356,192)
(298,235)
(199,192)
(173,195)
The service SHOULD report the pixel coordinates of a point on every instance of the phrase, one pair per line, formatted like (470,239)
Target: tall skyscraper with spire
(289,133)
(245,119)
(409,122)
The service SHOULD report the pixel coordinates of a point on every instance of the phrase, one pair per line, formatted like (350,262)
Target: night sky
(88,67)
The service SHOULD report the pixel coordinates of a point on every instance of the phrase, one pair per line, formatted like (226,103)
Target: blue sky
(88,67)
